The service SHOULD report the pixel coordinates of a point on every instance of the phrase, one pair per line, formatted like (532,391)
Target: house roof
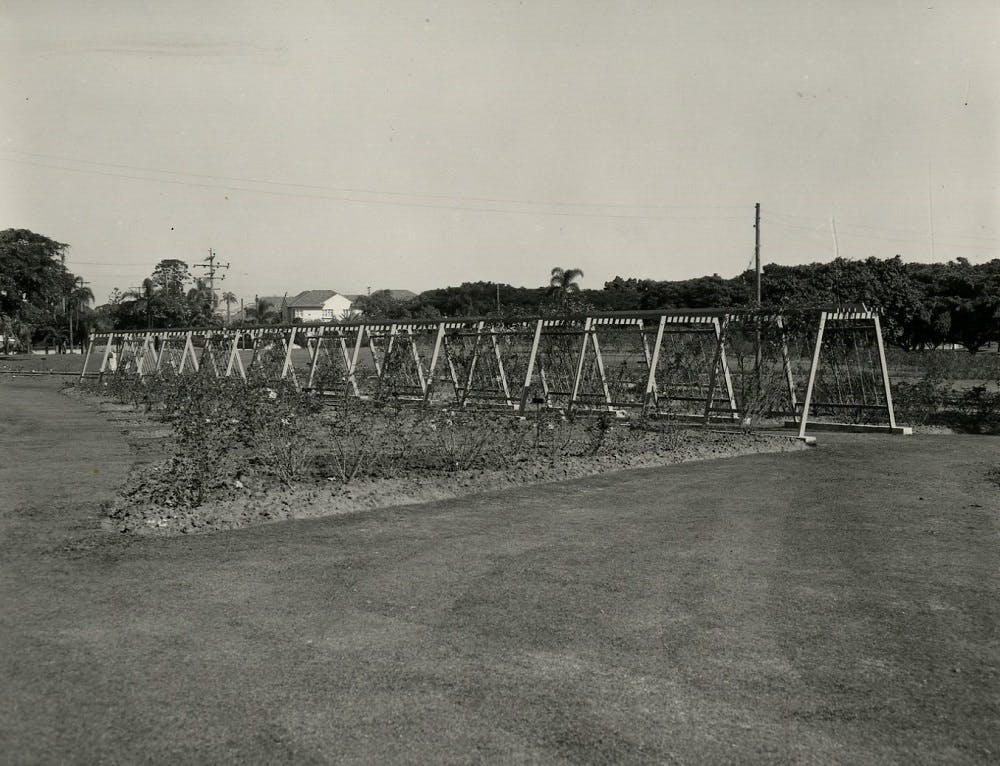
(311,298)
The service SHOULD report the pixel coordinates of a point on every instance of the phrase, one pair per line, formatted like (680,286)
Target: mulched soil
(251,505)
(334,498)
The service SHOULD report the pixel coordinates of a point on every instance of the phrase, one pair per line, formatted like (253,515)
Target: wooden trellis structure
(687,364)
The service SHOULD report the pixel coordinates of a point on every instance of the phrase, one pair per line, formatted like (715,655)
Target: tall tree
(33,278)
(201,302)
(171,276)
(80,297)
(563,282)
(139,302)
(229,299)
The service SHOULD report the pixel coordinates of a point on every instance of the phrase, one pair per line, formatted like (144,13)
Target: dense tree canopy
(169,297)
(922,305)
(40,300)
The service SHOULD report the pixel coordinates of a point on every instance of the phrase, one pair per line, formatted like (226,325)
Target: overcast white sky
(414,145)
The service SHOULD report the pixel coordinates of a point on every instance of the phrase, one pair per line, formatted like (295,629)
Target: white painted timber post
(812,376)
(885,371)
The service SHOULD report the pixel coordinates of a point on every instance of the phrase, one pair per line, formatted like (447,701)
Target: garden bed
(228,457)
(332,498)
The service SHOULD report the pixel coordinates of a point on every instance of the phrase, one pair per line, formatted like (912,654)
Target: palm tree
(79,296)
(264,313)
(563,283)
(229,299)
(144,299)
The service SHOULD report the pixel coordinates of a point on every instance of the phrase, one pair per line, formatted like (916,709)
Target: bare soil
(333,498)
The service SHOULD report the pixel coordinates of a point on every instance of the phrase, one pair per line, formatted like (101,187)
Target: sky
(355,146)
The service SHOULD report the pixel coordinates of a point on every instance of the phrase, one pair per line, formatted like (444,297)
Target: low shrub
(978,410)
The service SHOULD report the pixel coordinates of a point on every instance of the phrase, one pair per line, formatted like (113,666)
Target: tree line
(41,301)
(923,305)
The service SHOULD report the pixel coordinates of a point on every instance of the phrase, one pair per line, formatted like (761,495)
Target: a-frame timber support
(599,362)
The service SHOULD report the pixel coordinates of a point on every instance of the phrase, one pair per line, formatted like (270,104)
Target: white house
(318,306)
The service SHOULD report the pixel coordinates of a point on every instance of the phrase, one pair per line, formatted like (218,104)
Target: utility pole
(756,249)
(756,261)
(212,268)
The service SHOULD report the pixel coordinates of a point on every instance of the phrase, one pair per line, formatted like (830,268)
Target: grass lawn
(836,605)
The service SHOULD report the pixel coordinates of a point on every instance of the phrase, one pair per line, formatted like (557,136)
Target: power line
(102,263)
(382,192)
(841,223)
(380,202)
(817,230)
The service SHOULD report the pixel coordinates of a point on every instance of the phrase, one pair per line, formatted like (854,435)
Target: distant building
(318,306)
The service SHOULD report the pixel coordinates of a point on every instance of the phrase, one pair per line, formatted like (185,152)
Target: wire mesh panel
(560,348)
(475,366)
(848,384)
(331,351)
(131,355)
(268,353)
(691,376)
(396,355)
(742,366)
(762,368)
(212,354)
(624,346)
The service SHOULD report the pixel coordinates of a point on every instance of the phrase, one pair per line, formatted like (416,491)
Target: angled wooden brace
(188,352)
(653,359)
(86,359)
(885,372)
(812,376)
(600,368)
(209,353)
(730,392)
(532,355)
(713,373)
(352,363)
(456,385)
(286,368)
(579,364)
(109,344)
(435,355)
(500,369)
(786,362)
(416,360)
(472,364)
(313,346)
(145,351)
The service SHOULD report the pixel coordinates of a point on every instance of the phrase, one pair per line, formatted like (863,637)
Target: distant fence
(735,366)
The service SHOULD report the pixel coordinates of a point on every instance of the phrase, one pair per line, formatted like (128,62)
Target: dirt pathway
(839,605)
